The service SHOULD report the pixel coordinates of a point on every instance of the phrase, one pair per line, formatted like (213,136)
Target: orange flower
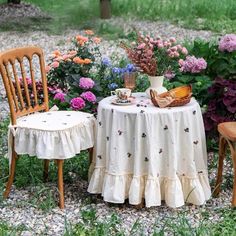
(81,38)
(96,40)
(89,32)
(56,53)
(72,53)
(65,57)
(87,61)
(78,60)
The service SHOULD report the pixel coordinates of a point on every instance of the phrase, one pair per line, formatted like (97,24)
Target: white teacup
(122,93)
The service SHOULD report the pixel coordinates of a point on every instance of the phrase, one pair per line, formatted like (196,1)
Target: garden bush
(81,77)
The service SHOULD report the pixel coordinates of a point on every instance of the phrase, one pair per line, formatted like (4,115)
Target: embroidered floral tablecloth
(153,153)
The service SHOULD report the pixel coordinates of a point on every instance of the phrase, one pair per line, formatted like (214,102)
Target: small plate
(129,102)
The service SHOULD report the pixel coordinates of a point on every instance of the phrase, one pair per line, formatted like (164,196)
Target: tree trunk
(14,1)
(105,9)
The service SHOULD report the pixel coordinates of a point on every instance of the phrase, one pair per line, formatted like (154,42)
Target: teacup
(122,93)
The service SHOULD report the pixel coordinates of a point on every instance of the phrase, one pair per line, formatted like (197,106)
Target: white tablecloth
(146,152)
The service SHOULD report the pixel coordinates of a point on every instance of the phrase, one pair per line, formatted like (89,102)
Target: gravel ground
(17,210)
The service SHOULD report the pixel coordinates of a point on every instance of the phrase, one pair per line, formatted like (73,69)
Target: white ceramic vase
(156,83)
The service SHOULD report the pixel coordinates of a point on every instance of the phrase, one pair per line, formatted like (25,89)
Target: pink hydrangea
(77,103)
(89,96)
(192,64)
(86,83)
(228,43)
(60,96)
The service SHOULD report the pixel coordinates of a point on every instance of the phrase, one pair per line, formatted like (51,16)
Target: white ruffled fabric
(142,151)
(175,192)
(53,134)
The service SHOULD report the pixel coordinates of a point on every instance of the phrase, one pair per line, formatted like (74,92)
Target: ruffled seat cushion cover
(53,134)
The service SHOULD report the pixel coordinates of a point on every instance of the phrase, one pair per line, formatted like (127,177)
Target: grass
(91,225)
(217,15)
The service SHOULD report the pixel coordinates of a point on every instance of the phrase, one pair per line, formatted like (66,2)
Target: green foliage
(217,15)
(91,225)
(6,230)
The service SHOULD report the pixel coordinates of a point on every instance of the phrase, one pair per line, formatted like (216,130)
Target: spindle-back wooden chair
(227,132)
(24,101)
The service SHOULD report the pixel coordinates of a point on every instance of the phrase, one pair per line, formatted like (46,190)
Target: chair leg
(222,147)
(12,174)
(45,171)
(60,183)
(90,155)
(233,154)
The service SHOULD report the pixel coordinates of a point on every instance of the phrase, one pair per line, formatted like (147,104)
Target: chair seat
(228,130)
(54,134)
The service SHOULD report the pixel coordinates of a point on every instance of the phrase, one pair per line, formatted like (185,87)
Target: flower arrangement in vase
(156,57)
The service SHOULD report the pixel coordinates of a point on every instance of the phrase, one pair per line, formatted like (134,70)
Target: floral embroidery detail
(160,151)
(166,127)
(146,159)
(120,132)
(194,112)
(144,135)
(195,142)
(99,156)
(186,130)
(129,154)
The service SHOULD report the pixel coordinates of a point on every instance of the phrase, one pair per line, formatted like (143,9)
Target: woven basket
(180,95)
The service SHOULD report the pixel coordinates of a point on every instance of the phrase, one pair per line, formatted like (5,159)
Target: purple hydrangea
(89,96)
(192,64)
(228,43)
(86,83)
(77,103)
(60,96)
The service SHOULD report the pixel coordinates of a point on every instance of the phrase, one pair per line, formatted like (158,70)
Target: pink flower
(193,64)
(60,96)
(172,40)
(28,80)
(228,43)
(47,68)
(77,103)
(141,46)
(86,83)
(184,51)
(169,74)
(55,64)
(89,96)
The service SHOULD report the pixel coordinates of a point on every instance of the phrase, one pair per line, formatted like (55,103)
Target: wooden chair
(25,102)
(227,132)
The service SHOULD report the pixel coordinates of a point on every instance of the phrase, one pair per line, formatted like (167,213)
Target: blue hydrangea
(116,70)
(106,61)
(112,86)
(130,68)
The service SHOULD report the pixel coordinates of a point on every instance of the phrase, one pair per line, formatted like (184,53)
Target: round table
(143,151)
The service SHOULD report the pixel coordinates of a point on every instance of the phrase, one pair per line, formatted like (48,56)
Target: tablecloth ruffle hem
(175,191)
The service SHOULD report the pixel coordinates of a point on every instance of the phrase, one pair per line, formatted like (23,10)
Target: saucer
(117,101)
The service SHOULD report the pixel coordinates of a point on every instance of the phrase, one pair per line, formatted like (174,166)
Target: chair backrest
(26,92)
